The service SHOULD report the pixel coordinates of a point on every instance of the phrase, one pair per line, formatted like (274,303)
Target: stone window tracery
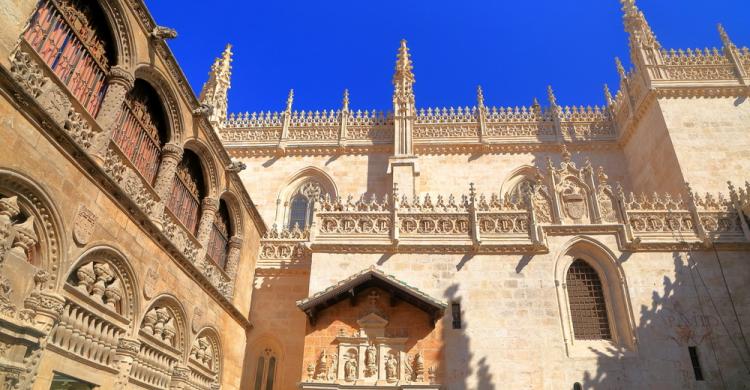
(265,373)
(301,204)
(71,36)
(140,129)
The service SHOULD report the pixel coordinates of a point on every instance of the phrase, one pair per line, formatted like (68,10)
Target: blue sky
(512,48)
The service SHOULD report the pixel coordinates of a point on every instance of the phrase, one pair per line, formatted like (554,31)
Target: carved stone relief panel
(574,203)
(83,224)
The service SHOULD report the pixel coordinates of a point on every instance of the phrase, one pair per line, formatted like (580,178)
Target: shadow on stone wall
(459,364)
(693,309)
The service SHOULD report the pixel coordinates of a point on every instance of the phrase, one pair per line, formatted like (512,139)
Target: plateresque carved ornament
(83,225)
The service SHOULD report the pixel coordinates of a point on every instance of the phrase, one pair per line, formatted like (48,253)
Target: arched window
(588,308)
(71,36)
(299,211)
(265,374)
(140,129)
(187,191)
(221,232)
(300,206)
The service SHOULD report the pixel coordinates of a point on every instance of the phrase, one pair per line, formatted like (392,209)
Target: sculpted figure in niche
(391,368)
(322,366)
(370,361)
(350,368)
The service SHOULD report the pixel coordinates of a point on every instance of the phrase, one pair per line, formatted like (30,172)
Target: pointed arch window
(140,130)
(300,206)
(265,374)
(588,308)
(71,36)
(221,232)
(187,191)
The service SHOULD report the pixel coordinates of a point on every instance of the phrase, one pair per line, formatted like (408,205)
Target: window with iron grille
(187,191)
(139,130)
(456,314)
(588,308)
(218,243)
(71,36)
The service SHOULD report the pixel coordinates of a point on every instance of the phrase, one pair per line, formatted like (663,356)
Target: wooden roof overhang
(352,286)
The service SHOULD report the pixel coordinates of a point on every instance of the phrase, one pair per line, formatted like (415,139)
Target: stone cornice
(30,109)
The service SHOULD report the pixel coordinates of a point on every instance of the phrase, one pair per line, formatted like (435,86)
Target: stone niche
(373,337)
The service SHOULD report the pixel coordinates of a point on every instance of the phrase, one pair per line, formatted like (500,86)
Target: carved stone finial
(403,76)
(290,100)
(602,176)
(620,69)
(345,101)
(637,27)
(608,95)
(9,206)
(214,92)
(480,97)
(161,32)
(565,153)
(551,96)
(535,105)
(724,37)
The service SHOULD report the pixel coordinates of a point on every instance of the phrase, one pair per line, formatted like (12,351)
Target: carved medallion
(149,284)
(83,225)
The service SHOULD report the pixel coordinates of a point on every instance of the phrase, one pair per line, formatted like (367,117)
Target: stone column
(120,81)
(171,155)
(233,257)
(208,215)
(127,350)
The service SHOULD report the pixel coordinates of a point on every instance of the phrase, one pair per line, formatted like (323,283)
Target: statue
(350,368)
(391,368)
(419,367)
(371,361)
(322,366)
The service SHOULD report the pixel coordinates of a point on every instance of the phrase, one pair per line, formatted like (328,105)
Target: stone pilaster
(127,350)
(180,378)
(47,308)
(170,157)
(119,83)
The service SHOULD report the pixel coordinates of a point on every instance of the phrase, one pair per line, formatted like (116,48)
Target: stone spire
(214,92)
(645,49)
(402,165)
(403,102)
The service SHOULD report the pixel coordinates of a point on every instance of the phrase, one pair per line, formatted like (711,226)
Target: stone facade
(421,248)
(484,209)
(103,282)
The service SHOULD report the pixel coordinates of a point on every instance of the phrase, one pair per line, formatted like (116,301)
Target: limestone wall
(513,336)
(711,137)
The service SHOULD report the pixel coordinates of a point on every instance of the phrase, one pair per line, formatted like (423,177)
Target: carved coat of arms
(83,224)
